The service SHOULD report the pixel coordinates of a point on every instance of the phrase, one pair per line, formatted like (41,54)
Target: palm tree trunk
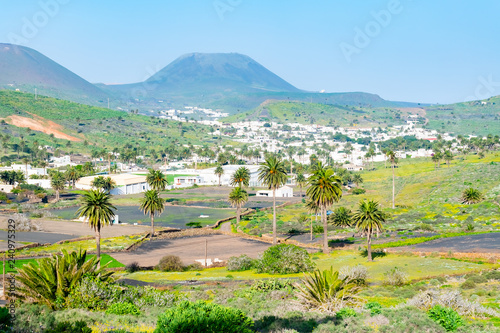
(219,180)
(325,230)
(274,217)
(152,227)
(57,195)
(393,188)
(98,245)
(369,246)
(311,228)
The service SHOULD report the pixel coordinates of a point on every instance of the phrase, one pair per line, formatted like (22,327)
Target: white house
(126,183)
(282,192)
(186,181)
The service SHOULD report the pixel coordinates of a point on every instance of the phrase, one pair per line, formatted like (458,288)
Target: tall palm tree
(391,155)
(341,217)
(272,173)
(325,189)
(357,179)
(219,171)
(448,156)
(241,177)
(152,204)
(369,219)
(97,211)
(238,197)
(313,208)
(301,182)
(57,182)
(156,180)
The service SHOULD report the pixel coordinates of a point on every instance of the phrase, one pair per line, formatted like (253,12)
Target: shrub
(67,327)
(5,319)
(196,266)
(395,277)
(189,317)
(358,191)
(492,275)
(374,307)
(241,263)
(272,284)
(345,313)
(468,284)
(170,263)
(133,267)
(32,317)
(476,278)
(123,309)
(424,227)
(318,229)
(358,273)
(446,317)
(285,259)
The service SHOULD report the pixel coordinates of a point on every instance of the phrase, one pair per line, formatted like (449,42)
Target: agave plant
(51,279)
(325,291)
(471,196)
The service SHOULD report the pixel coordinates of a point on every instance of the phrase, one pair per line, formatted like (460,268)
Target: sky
(404,50)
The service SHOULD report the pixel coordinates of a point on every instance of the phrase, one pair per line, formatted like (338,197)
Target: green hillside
(476,117)
(322,114)
(90,127)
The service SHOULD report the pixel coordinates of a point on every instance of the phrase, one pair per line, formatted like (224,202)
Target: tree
(301,182)
(156,180)
(357,179)
(325,189)
(391,155)
(104,183)
(448,157)
(313,208)
(73,174)
(241,177)
(219,171)
(57,182)
(341,217)
(152,204)
(272,173)
(369,219)
(97,211)
(238,197)
(471,196)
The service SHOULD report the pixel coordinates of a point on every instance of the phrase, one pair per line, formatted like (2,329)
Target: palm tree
(272,173)
(156,180)
(357,179)
(471,196)
(391,155)
(72,175)
(57,182)
(448,156)
(325,189)
(97,211)
(369,219)
(313,208)
(241,177)
(301,182)
(238,197)
(152,204)
(341,217)
(219,171)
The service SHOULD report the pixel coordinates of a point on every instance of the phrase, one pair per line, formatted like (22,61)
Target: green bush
(492,275)
(448,318)
(285,259)
(272,284)
(123,309)
(358,191)
(67,327)
(395,277)
(345,313)
(476,278)
(374,307)
(5,319)
(241,263)
(204,317)
(170,263)
(133,267)
(468,284)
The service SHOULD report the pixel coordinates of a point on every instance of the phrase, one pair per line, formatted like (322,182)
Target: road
(483,243)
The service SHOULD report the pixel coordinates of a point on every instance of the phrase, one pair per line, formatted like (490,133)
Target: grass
(105,259)
(417,268)
(107,245)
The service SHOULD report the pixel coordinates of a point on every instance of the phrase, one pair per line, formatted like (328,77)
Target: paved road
(484,243)
(192,248)
(36,237)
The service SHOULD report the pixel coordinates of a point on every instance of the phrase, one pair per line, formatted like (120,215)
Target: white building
(282,192)
(126,183)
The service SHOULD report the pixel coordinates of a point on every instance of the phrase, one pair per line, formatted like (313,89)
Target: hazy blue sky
(420,51)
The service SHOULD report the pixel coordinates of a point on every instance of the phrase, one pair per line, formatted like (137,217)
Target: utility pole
(3,283)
